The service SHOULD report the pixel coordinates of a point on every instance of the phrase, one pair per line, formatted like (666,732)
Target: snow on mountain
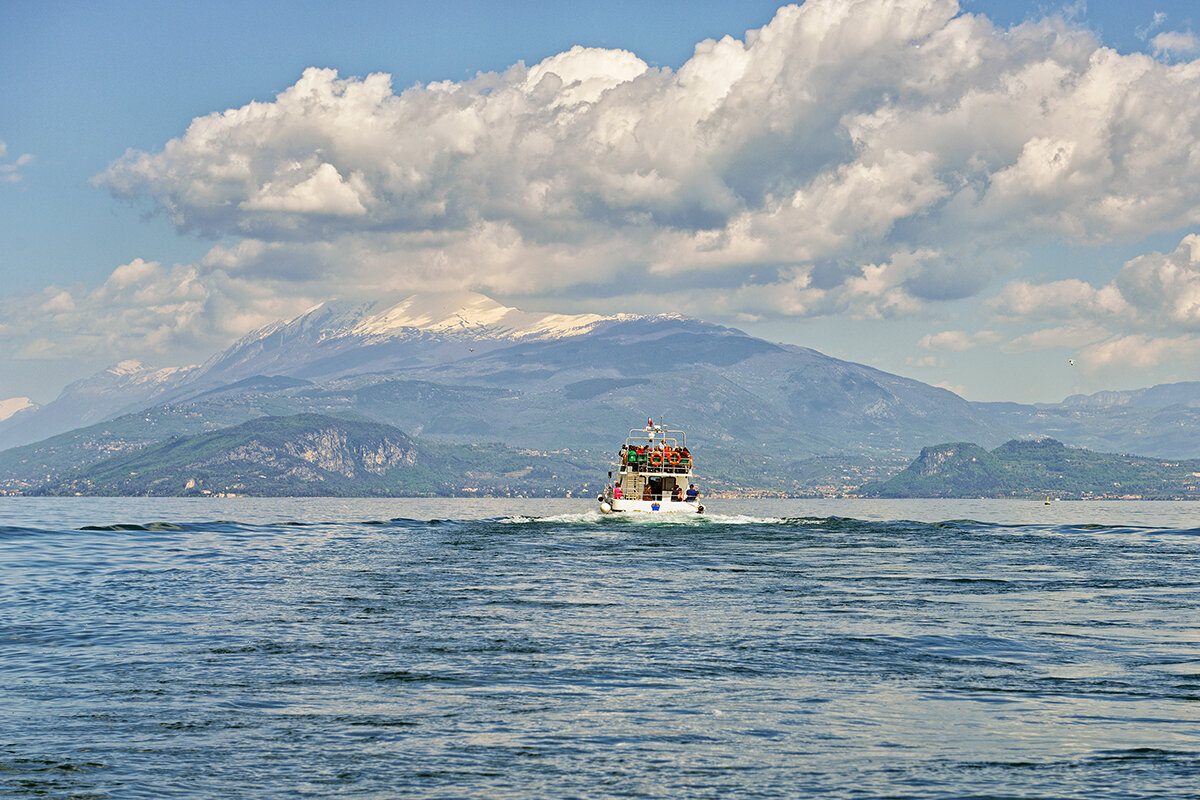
(325,320)
(135,373)
(474,315)
(467,315)
(339,338)
(14,404)
(332,339)
(126,386)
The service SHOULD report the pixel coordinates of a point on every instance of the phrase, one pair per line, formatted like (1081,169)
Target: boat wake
(675,520)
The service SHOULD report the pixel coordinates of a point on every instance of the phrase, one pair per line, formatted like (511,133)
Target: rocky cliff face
(945,458)
(326,451)
(303,454)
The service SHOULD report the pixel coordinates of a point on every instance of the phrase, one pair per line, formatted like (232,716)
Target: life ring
(656,458)
(674,457)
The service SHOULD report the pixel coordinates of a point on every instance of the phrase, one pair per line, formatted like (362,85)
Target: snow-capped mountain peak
(475,315)
(131,371)
(14,404)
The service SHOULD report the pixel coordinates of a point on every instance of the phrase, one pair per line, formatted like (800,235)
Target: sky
(1000,198)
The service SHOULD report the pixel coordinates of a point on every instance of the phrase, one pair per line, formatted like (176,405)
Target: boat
(653,475)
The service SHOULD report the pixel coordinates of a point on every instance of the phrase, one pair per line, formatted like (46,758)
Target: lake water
(515,649)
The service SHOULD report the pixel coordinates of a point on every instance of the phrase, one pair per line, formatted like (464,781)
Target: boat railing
(666,459)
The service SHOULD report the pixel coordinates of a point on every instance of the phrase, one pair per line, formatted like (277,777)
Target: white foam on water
(695,520)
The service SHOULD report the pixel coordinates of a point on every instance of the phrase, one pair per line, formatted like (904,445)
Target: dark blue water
(285,649)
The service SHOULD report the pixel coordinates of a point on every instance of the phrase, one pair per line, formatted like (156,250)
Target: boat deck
(653,475)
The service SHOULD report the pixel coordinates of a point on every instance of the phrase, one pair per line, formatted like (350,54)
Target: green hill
(1024,468)
(314,454)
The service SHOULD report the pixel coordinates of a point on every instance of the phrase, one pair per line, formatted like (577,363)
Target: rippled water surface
(419,648)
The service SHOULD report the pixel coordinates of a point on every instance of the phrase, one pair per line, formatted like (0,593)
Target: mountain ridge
(310,455)
(1032,468)
(466,369)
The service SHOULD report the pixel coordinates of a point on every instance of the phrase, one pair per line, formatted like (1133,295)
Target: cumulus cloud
(872,153)
(320,191)
(957,341)
(866,158)
(1175,43)
(11,172)
(1165,288)
(1138,351)
(1023,300)
(1126,322)
(143,309)
(1153,292)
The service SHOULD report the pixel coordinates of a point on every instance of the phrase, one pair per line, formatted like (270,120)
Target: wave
(223,526)
(17,531)
(593,519)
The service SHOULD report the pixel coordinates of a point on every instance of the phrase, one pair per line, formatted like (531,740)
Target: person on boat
(693,493)
(617,491)
(677,494)
(647,493)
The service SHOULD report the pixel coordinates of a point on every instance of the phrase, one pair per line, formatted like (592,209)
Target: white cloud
(582,75)
(1165,288)
(1153,292)
(1074,335)
(320,192)
(1175,43)
(1072,296)
(1138,351)
(134,271)
(1126,324)
(957,341)
(143,310)
(866,158)
(958,388)
(10,173)
(1155,23)
(844,135)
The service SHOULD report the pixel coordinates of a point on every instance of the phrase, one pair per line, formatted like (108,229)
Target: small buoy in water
(1047,499)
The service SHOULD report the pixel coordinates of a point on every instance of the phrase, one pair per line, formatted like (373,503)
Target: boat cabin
(653,464)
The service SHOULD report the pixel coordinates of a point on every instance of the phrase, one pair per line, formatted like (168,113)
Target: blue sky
(864,248)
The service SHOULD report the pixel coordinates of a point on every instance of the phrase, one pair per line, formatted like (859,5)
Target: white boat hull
(619,505)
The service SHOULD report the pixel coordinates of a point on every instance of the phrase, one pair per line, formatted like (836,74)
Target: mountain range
(316,455)
(461,369)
